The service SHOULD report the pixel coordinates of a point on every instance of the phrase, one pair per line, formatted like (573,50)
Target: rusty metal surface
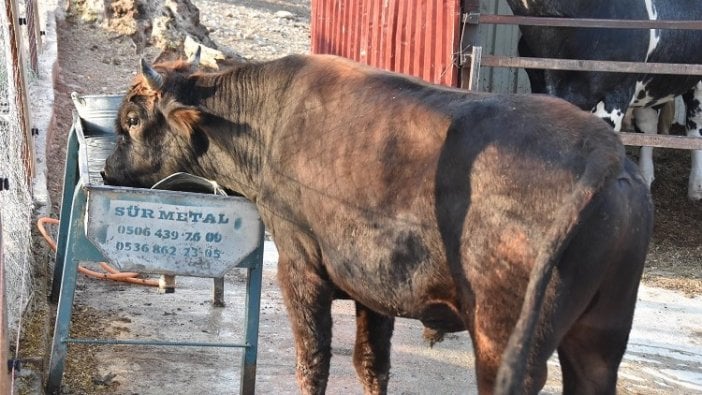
(417,37)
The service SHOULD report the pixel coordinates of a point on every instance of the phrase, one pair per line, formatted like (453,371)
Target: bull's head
(156,127)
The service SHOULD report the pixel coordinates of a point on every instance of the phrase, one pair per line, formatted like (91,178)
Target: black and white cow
(609,95)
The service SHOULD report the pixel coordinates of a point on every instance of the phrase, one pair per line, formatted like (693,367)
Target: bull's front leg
(308,299)
(371,355)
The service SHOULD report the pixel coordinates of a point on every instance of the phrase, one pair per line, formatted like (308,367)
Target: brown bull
(517,218)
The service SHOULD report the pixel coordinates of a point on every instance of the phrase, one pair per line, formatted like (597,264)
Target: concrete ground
(188,315)
(664,356)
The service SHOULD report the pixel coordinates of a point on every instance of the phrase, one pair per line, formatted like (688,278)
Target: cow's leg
(308,299)
(693,102)
(371,355)
(646,119)
(537,78)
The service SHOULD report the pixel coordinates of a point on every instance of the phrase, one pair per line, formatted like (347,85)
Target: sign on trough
(167,232)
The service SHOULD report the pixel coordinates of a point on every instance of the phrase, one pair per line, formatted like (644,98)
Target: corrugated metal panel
(416,37)
(500,40)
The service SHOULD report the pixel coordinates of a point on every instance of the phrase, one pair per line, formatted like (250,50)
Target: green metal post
(70,181)
(253,308)
(77,248)
(64,310)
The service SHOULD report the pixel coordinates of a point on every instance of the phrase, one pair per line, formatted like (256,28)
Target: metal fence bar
(661,141)
(592,65)
(147,342)
(474,69)
(588,22)
(468,39)
(635,139)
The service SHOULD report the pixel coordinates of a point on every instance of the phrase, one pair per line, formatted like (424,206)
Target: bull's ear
(152,77)
(182,118)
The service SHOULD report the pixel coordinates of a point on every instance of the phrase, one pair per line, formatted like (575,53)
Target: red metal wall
(416,37)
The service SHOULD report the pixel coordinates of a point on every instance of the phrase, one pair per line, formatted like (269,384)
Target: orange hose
(116,272)
(112,273)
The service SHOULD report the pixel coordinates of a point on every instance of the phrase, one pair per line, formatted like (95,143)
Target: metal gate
(471,47)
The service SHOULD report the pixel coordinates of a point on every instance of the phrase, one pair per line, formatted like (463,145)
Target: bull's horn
(153,78)
(195,59)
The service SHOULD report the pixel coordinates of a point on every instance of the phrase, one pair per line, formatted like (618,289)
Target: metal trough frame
(74,246)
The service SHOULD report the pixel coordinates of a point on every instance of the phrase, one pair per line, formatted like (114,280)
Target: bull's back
(405,186)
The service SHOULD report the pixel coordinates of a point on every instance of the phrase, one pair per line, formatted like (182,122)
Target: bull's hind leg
(308,299)
(371,355)
(591,351)
(592,348)
(590,355)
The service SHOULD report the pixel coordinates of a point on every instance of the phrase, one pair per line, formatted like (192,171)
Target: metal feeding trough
(164,230)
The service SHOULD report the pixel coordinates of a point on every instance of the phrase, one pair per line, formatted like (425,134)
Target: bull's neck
(242,106)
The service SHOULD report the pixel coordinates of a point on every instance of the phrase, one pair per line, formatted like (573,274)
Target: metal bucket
(98,112)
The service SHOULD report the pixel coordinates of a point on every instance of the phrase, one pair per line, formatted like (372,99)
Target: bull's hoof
(167,290)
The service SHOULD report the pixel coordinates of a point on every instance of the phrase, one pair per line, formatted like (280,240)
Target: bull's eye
(132,121)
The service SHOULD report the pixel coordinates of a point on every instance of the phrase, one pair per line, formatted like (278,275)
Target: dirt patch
(675,257)
(81,375)
(678,220)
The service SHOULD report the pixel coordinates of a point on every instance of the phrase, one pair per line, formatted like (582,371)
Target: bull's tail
(601,165)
